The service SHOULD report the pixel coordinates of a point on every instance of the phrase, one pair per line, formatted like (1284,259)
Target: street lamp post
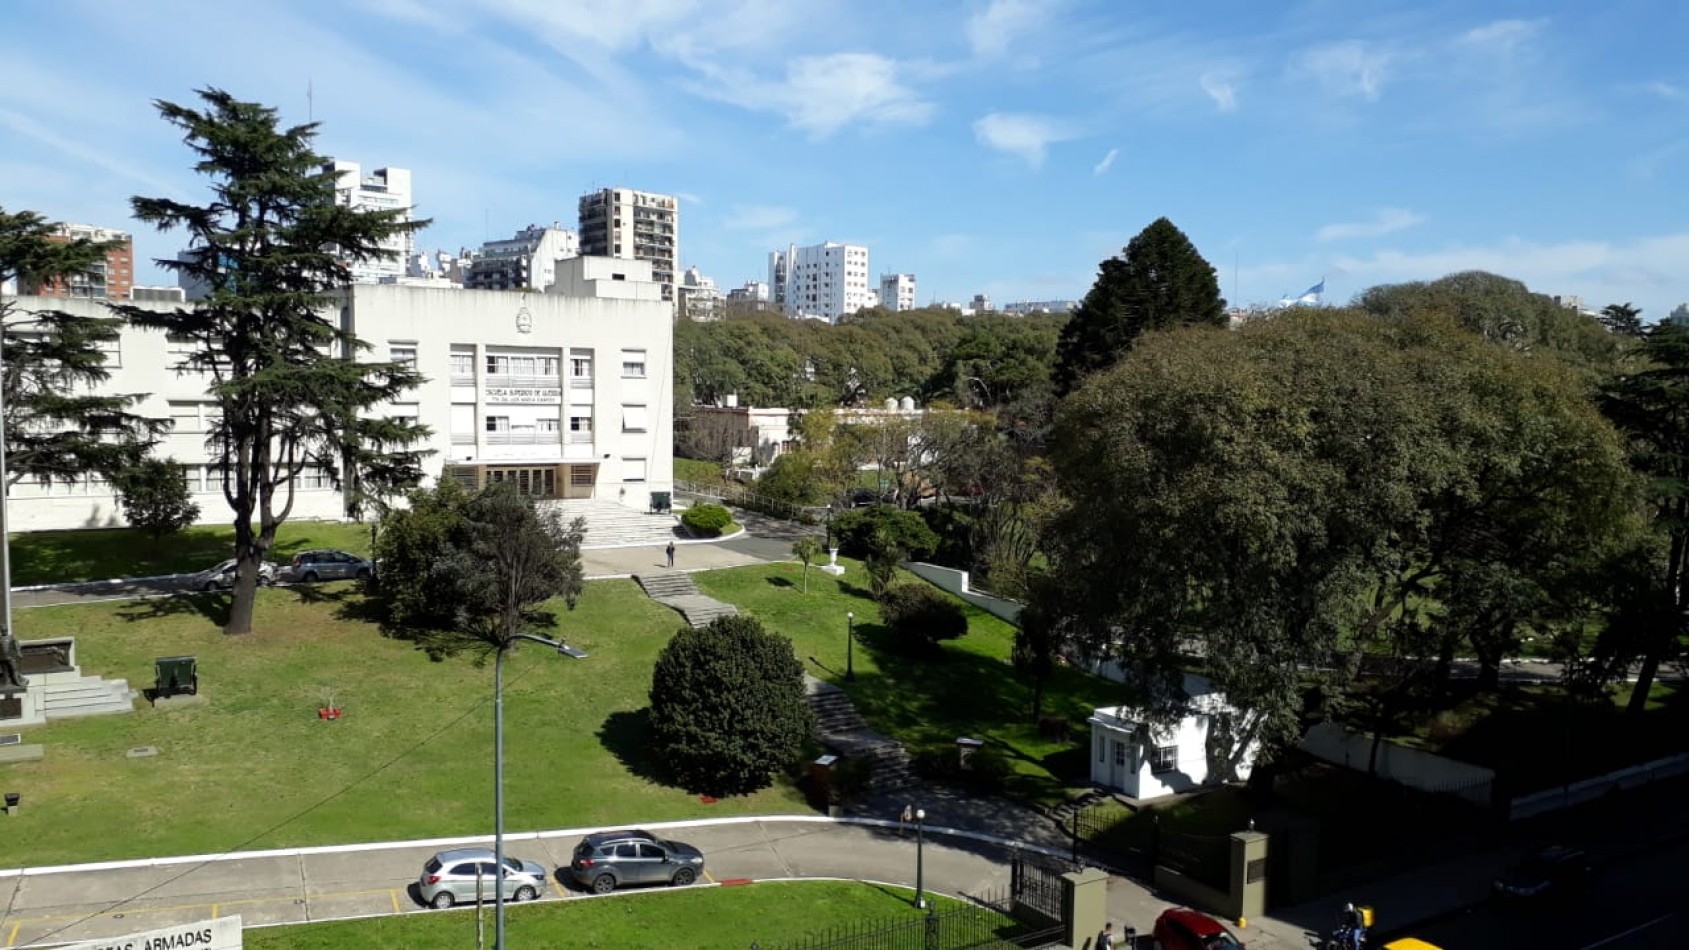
(850,646)
(920,840)
(498,773)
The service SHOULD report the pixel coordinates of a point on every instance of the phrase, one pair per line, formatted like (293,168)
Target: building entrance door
(581,481)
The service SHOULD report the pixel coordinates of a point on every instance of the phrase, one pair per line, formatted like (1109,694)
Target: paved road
(328,883)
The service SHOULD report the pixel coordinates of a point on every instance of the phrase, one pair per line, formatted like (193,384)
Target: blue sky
(996,146)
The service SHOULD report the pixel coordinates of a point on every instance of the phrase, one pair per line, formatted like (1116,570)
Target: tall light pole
(920,840)
(498,769)
(850,646)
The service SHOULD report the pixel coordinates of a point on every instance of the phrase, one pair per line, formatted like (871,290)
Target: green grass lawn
(728,918)
(253,766)
(698,471)
(971,691)
(46,557)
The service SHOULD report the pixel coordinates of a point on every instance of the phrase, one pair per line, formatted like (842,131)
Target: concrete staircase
(674,589)
(87,696)
(613,525)
(841,728)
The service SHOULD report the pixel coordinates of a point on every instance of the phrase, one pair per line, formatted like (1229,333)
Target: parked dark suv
(608,859)
(1552,869)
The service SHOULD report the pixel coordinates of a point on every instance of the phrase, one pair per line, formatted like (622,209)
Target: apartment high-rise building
(897,291)
(826,281)
(527,261)
(108,279)
(633,226)
(700,300)
(385,189)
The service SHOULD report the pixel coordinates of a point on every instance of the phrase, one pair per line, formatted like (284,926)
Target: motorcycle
(1345,938)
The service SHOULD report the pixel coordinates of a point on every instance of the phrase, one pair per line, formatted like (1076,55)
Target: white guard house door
(1119,758)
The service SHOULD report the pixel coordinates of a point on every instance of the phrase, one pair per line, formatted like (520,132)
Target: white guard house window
(403,352)
(635,419)
(633,364)
(633,470)
(1165,758)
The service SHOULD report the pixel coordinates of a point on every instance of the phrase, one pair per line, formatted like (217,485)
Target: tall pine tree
(271,247)
(1160,281)
(58,425)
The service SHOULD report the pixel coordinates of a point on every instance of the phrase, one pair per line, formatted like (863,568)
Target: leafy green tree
(272,246)
(59,426)
(1652,408)
(155,497)
(728,708)
(920,617)
(1159,282)
(1502,311)
(469,572)
(1039,638)
(808,550)
(1623,319)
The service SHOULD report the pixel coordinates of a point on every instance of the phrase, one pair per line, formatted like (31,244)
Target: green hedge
(706,521)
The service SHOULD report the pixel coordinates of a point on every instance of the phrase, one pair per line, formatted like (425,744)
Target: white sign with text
(223,933)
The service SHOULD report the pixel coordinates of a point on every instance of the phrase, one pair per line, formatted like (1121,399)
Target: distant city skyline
(993,147)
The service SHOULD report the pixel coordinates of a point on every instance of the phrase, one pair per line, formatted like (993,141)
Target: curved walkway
(312,884)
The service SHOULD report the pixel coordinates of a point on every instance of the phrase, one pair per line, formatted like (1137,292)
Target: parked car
(325,565)
(222,576)
(1182,929)
(609,859)
(1552,869)
(450,876)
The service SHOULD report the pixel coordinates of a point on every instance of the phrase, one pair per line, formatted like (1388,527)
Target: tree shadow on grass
(851,590)
(212,606)
(779,582)
(627,736)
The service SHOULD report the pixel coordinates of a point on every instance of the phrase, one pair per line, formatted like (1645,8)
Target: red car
(1182,929)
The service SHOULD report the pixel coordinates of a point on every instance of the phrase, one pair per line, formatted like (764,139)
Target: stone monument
(12,679)
(832,566)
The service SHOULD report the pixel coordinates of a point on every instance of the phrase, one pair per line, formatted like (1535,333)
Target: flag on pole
(1310,297)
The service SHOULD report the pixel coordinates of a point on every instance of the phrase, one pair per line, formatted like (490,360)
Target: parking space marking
(557,886)
(393,892)
(12,938)
(707,876)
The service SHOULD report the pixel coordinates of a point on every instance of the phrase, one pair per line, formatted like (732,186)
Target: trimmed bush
(882,530)
(706,521)
(987,769)
(920,617)
(728,707)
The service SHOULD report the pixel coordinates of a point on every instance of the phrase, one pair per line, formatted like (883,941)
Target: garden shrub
(706,521)
(920,617)
(987,770)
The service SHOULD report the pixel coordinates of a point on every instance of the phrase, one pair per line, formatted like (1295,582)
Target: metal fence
(969,927)
(751,501)
(1205,859)
(1035,887)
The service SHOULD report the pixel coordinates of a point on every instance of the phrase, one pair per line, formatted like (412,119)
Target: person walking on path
(1105,940)
(670,551)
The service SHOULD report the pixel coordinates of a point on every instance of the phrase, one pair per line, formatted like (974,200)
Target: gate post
(1248,877)
(1084,905)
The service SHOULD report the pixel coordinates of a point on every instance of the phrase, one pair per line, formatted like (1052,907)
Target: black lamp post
(920,840)
(850,646)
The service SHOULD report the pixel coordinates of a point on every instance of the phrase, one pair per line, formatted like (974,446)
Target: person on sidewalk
(670,550)
(1105,940)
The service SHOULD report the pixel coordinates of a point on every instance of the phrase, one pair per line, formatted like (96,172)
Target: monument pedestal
(832,566)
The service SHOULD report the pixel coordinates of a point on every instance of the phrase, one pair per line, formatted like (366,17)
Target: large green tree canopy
(1254,501)
(1158,282)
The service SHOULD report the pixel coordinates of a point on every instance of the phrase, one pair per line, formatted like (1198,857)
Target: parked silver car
(325,565)
(222,576)
(452,876)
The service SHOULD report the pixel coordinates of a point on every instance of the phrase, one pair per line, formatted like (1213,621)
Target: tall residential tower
(633,226)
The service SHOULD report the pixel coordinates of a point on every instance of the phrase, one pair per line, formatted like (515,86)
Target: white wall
(956,582)
(1414,768)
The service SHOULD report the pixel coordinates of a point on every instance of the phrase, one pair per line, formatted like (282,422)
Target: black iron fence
(1035,889)
(1205,859)
(983,926)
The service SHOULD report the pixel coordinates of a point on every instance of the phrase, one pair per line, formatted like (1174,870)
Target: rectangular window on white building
(580,367)
(546,425)
(194,475)
(184,417)
(633,364)
(635,419)
(313,479)
(498,423)
(463,367)
(633,470)
(1165,758)
(402,352)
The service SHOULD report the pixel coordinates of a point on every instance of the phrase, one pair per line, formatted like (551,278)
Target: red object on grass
(332,712)
(708,799)
(735,881)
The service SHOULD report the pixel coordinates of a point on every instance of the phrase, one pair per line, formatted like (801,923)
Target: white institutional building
(565,394)
(384,189)
(897,292)
(825,281)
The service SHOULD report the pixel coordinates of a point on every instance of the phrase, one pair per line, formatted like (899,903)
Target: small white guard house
(1212,744)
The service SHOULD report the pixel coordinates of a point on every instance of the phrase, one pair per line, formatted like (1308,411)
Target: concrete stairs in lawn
(613,525)
(841,728)
(675,590)
(87,696)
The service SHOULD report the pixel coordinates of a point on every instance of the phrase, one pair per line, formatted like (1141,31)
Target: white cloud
(759,218)
(1221,90)
(1102,167)
(991,29)
(1022,135)
(1503,35)
(1386,221)
(1347,68)
(823,94)
(1666,90)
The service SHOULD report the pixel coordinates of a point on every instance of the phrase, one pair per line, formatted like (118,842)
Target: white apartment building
(527,261)
(384,189)
(824,281)
(633,226)
(897,291)
(699,298)
(563,396)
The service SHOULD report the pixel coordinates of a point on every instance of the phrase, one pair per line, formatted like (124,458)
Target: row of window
(498,364)
(634,419)
(1162,758)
